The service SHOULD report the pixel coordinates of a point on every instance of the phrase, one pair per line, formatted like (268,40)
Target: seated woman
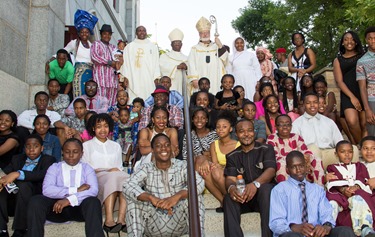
(348,192)
(85,135)
(158,124)
(105,157)
(213,171)
(257,96)
(227,99)
(306,85)
(272,110)
(289,97)
(51,143)
(202,100)
(201,135)
(241,91)
(9,140)
(265,90)
(249,111)
(283,142)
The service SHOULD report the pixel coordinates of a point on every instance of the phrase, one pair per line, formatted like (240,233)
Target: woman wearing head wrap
(266,65)
(84,22)
(244,66)
(264,57)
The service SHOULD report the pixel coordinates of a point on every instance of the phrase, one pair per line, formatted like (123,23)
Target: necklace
(86,45)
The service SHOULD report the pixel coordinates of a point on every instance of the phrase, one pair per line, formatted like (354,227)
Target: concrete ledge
(14,93)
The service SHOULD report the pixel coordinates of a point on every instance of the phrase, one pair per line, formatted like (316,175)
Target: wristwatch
(257,184)
(328,224)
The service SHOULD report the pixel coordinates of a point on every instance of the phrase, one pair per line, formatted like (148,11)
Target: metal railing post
(194,221)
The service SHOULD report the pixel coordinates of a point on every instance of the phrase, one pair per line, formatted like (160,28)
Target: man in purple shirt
(94,101)
(70,188)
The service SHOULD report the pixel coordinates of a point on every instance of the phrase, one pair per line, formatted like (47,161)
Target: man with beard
(257,164)
(93,101)
(141,65)
(207,58)
(176,119)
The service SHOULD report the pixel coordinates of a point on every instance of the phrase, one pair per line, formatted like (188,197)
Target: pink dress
(103,74)
(295,142)
(85,136)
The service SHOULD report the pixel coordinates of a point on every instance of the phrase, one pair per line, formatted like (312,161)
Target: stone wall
(30,30)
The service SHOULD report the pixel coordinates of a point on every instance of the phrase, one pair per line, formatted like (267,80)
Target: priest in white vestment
(207,58)
(173,63)
(141,65)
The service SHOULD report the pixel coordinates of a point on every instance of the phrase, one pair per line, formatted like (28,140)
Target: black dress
(348,67)
(6,157)
(230,100)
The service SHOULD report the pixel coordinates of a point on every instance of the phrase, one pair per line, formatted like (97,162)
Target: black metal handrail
(194,221)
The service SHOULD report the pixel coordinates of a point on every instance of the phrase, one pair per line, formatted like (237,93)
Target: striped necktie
(304,203)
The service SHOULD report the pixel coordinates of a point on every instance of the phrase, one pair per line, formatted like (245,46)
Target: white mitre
(176,34)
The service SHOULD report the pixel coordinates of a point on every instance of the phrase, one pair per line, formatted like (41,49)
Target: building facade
(33,30)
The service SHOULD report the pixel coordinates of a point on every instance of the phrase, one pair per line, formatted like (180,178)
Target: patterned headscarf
(266,52)
(83,19)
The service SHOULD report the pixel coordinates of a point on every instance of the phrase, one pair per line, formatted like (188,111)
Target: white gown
(141,67)
(204,62)
(168,67)
(245,68)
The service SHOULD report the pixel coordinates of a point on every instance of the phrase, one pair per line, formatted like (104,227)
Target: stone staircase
(214,226)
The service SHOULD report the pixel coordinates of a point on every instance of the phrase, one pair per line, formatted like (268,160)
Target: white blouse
(102,155)
(83,54)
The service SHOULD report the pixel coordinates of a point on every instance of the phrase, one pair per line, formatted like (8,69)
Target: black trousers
(233,210)
(40,210)
(340,231)
(21,201)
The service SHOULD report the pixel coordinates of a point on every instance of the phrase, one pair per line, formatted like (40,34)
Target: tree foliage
(271,23)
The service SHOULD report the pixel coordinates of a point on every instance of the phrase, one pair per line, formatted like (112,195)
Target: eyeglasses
(285,125)
(91,87)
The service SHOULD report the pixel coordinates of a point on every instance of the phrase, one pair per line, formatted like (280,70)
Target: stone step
(214,225)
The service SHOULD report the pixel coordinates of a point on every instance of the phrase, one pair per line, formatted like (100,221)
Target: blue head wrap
(83,19)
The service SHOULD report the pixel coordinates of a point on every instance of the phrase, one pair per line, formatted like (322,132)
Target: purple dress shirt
(54,186)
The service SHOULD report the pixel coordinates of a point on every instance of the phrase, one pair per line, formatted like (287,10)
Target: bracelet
(230,186)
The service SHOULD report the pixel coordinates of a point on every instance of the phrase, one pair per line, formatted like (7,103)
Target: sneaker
(367,231)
